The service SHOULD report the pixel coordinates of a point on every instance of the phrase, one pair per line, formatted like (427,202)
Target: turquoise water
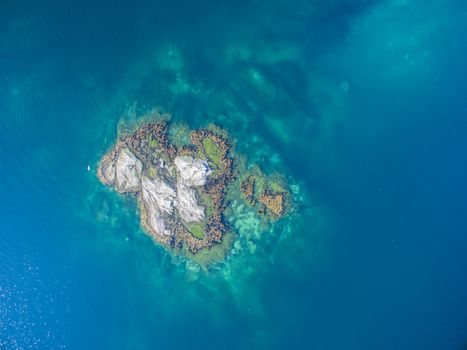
(361,104)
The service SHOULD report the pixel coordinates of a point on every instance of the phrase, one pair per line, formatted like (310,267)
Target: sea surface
(361,104)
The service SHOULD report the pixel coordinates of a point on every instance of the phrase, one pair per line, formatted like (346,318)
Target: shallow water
(361,104)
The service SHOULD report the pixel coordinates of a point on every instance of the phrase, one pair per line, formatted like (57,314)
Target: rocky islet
(181,189)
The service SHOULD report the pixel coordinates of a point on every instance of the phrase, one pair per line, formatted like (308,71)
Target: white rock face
(158,192)
(158,198)
(193,171)
(161,199)
(127,171)
(187,204)
(108,171)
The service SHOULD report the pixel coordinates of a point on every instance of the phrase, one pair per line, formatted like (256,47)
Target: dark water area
(362,103)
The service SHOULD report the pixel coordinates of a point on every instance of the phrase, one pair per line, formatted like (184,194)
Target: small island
(181,181)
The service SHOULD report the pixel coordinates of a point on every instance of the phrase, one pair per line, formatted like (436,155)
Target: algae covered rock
(268,194)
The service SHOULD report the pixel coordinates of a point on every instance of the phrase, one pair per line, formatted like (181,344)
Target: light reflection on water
(344,97)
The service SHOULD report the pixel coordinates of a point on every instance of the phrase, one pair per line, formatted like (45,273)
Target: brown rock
(247,187)
(274,202)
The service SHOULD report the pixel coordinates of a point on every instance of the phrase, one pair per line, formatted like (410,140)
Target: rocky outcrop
(159,196)
(187,204)
(247,187)
(127,171)
(158,199)
(193,171)
(121,169)
(274,202)
(268,194)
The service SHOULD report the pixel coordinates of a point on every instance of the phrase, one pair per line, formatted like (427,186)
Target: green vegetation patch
(152,172)
(213,152)
(152,142)
(196,229)
(206,201)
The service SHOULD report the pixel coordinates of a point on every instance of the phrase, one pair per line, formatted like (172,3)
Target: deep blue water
(363,103)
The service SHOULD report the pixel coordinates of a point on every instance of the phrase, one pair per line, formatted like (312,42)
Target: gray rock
(187,204)
(127,171)
(193,171)
(108,171)
(158,198)
(172,188)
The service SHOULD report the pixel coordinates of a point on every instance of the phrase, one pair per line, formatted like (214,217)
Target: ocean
(361,104)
